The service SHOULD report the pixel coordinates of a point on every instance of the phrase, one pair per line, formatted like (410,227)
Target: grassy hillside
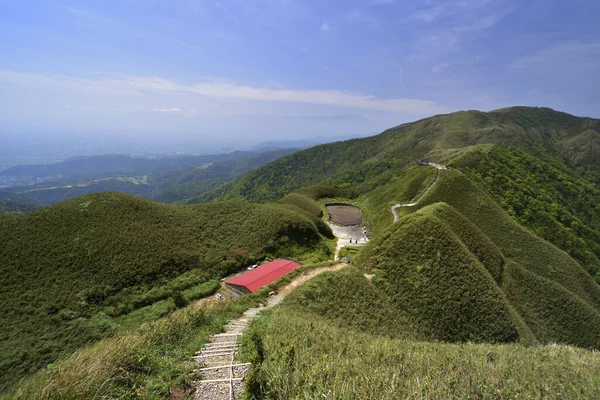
(347,299)
(427,269)
(371,162)
(502,249)
(143,363)
(70,271)
(558,206)
(552,268)
(305,356)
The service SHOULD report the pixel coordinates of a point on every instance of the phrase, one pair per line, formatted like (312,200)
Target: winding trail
(435,181)
(222,377)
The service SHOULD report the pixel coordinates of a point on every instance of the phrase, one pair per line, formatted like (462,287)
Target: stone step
(218,390)
(224,366)
(212,348)
(220,343)
(220,353)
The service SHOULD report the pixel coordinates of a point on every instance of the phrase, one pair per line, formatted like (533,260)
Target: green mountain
(370,162)
(531,160)
(480,286)
(516,211)
(90,167)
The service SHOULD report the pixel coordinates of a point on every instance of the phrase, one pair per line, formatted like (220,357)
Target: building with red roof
(251,281)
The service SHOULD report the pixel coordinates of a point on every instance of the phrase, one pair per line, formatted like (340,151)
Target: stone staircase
(222,378)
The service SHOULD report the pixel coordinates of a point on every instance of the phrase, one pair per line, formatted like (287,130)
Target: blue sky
(234,70)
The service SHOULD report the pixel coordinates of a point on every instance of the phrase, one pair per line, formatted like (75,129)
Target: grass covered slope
(553,201)
(428,272)
(305,356)
(347,299)
(305,203)
(67,270)
(370,162)
(550,267)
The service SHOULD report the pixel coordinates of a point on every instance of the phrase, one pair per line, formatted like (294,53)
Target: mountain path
(222,378)
(435,181)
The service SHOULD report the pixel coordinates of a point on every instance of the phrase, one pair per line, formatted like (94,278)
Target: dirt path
(222,377)
(287,289)
(435,181)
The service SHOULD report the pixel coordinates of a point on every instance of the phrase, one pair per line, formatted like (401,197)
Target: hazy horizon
(230,74)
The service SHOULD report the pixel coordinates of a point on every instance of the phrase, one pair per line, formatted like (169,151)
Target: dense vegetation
(552,270)
(347,299)
(150,360)
(371,162)
(558,206)
(15,208)
(69,271)
(427,269)
(307,204)
(143,363)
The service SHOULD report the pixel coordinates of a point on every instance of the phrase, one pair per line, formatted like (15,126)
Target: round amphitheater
(344,214)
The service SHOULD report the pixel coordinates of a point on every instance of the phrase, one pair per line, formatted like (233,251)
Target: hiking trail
(435,181)
(222,377)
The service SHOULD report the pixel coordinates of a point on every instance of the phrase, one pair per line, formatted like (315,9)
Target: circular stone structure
(344,214)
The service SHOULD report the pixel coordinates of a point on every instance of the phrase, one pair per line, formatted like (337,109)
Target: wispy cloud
(441,67)
(325,27)
(140,86)
(429,14)
(167,110)
(188,45)
(487,21)
(575,53)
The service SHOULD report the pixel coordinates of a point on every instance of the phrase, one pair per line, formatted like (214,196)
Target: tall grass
(146,363)
(306,357)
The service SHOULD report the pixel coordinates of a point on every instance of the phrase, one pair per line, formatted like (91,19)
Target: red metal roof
(265,274)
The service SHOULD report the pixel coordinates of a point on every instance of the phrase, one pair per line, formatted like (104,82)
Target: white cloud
(325,27)
(218,89)
(167,110)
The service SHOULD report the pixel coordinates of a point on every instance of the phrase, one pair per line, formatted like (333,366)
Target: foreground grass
(304,356)
(146,363)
